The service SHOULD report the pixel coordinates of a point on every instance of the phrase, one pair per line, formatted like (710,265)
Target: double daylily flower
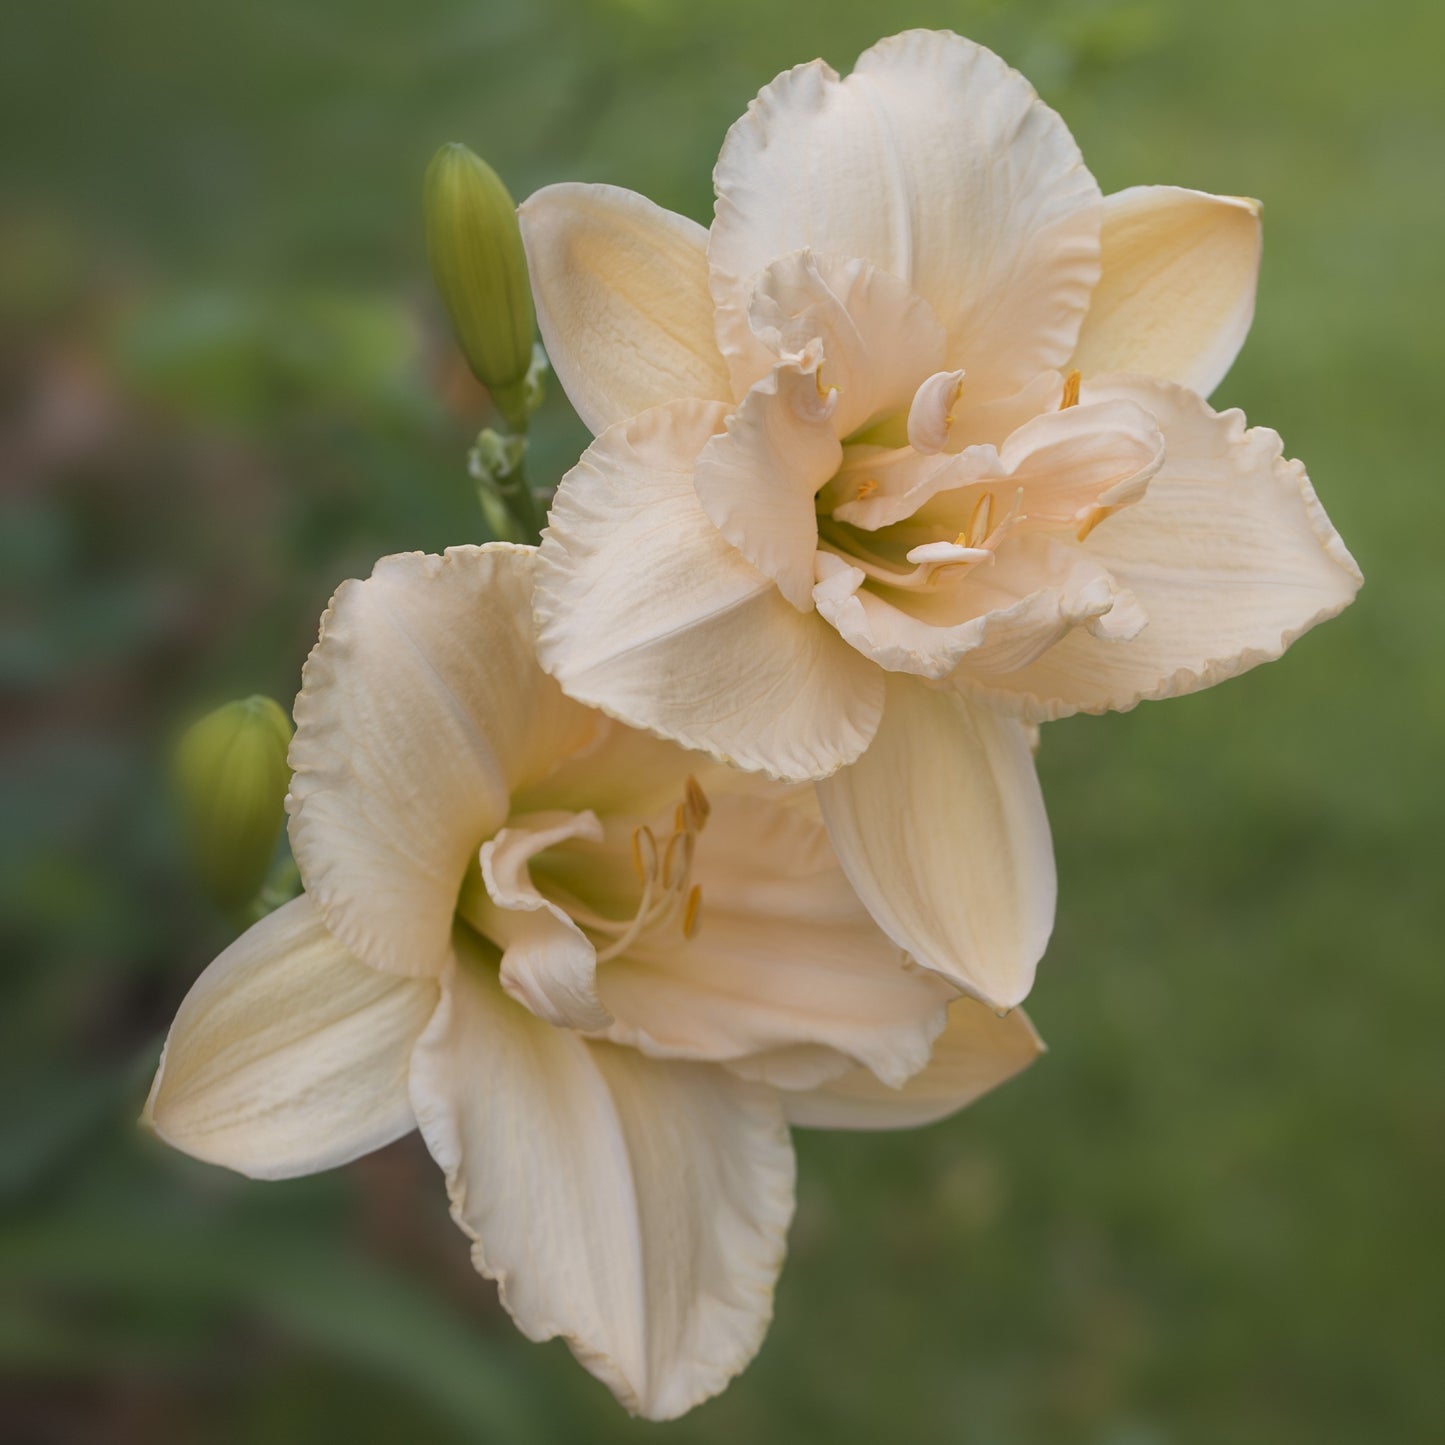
(908,452)
(906,455)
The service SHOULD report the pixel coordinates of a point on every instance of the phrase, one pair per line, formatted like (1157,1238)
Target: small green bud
(474,245)
(232,776)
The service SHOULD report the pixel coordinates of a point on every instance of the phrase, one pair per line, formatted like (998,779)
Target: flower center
(616,882)
(664,871)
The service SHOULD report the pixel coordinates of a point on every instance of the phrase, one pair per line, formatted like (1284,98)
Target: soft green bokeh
(1210,1214)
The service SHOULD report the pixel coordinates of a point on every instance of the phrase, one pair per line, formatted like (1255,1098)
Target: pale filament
(665,872)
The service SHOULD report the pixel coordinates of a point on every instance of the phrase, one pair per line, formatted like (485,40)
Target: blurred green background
(1211,1214)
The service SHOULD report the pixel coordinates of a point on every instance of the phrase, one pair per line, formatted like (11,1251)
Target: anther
(866,488)
(1071,391)
(697,802)
(690,918)
(979,520)
(644,853)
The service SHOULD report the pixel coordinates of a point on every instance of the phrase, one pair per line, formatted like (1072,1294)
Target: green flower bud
(232,777)
(474,245)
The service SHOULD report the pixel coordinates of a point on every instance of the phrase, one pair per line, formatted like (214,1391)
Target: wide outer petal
(784,954)
(622,301)
(645,611)
(636,1207)
(422,706)
(941,829)
(1229,555)
(977,1052)
(936,162)
(288,1055)
(1176,290)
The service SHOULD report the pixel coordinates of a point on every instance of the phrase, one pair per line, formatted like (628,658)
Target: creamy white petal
(1229,555)
(941,828)
(977,1052)
(421,707)
(636,1207)
(1176,291)
(645,611)
(946,415)
(878,340)
(756,481)
(1001,617)
(784,954)
(622,301)
(288,1055)
(941,166)
(548,964)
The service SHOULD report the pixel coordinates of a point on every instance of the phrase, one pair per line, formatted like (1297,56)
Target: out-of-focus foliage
(1210,1214)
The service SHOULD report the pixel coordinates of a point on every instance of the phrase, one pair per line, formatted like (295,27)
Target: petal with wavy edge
(1176,290)
(422,706)
(288,1055)
(1229,554)
(999,619)
(878,340)
(645,611)
(637,1207)
(622,301)
(944,415)
(756,481)
(976,1053)
(940,165)
(548,963)
(941,829)
(784,954)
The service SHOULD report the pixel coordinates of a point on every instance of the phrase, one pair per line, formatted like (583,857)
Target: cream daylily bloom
(907,453)
(599,973)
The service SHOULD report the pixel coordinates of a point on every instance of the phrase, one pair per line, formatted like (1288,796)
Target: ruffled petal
(938,164)
(622,301)
(548,963)
(645,611)
(941,829)
(877,340)
(783,954)
(976,1053)
(636,1207)
(1176,291)
(757,480)
(422,706)
(1229,555)
(288,1056)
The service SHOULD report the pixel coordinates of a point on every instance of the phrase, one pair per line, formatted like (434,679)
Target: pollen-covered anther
(692,914)
(1071,391)
(644,854)
(695,806)
(866,488)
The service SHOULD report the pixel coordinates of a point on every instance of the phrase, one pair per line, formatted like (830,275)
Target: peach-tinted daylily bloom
(600,974)
(907,453)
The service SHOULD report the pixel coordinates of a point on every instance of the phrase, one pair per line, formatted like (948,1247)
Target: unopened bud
(232,776)
(474,245)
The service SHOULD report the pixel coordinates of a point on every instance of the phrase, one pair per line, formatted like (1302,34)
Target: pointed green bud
(474,245)
(232,776)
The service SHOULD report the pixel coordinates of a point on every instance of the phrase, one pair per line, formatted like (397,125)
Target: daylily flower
(908,452)
(599,973)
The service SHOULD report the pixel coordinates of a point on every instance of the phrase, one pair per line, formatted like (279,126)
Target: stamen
(697,802)
(979,520)
(866,488)
(1071,391)
(644,854)
(690,917)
